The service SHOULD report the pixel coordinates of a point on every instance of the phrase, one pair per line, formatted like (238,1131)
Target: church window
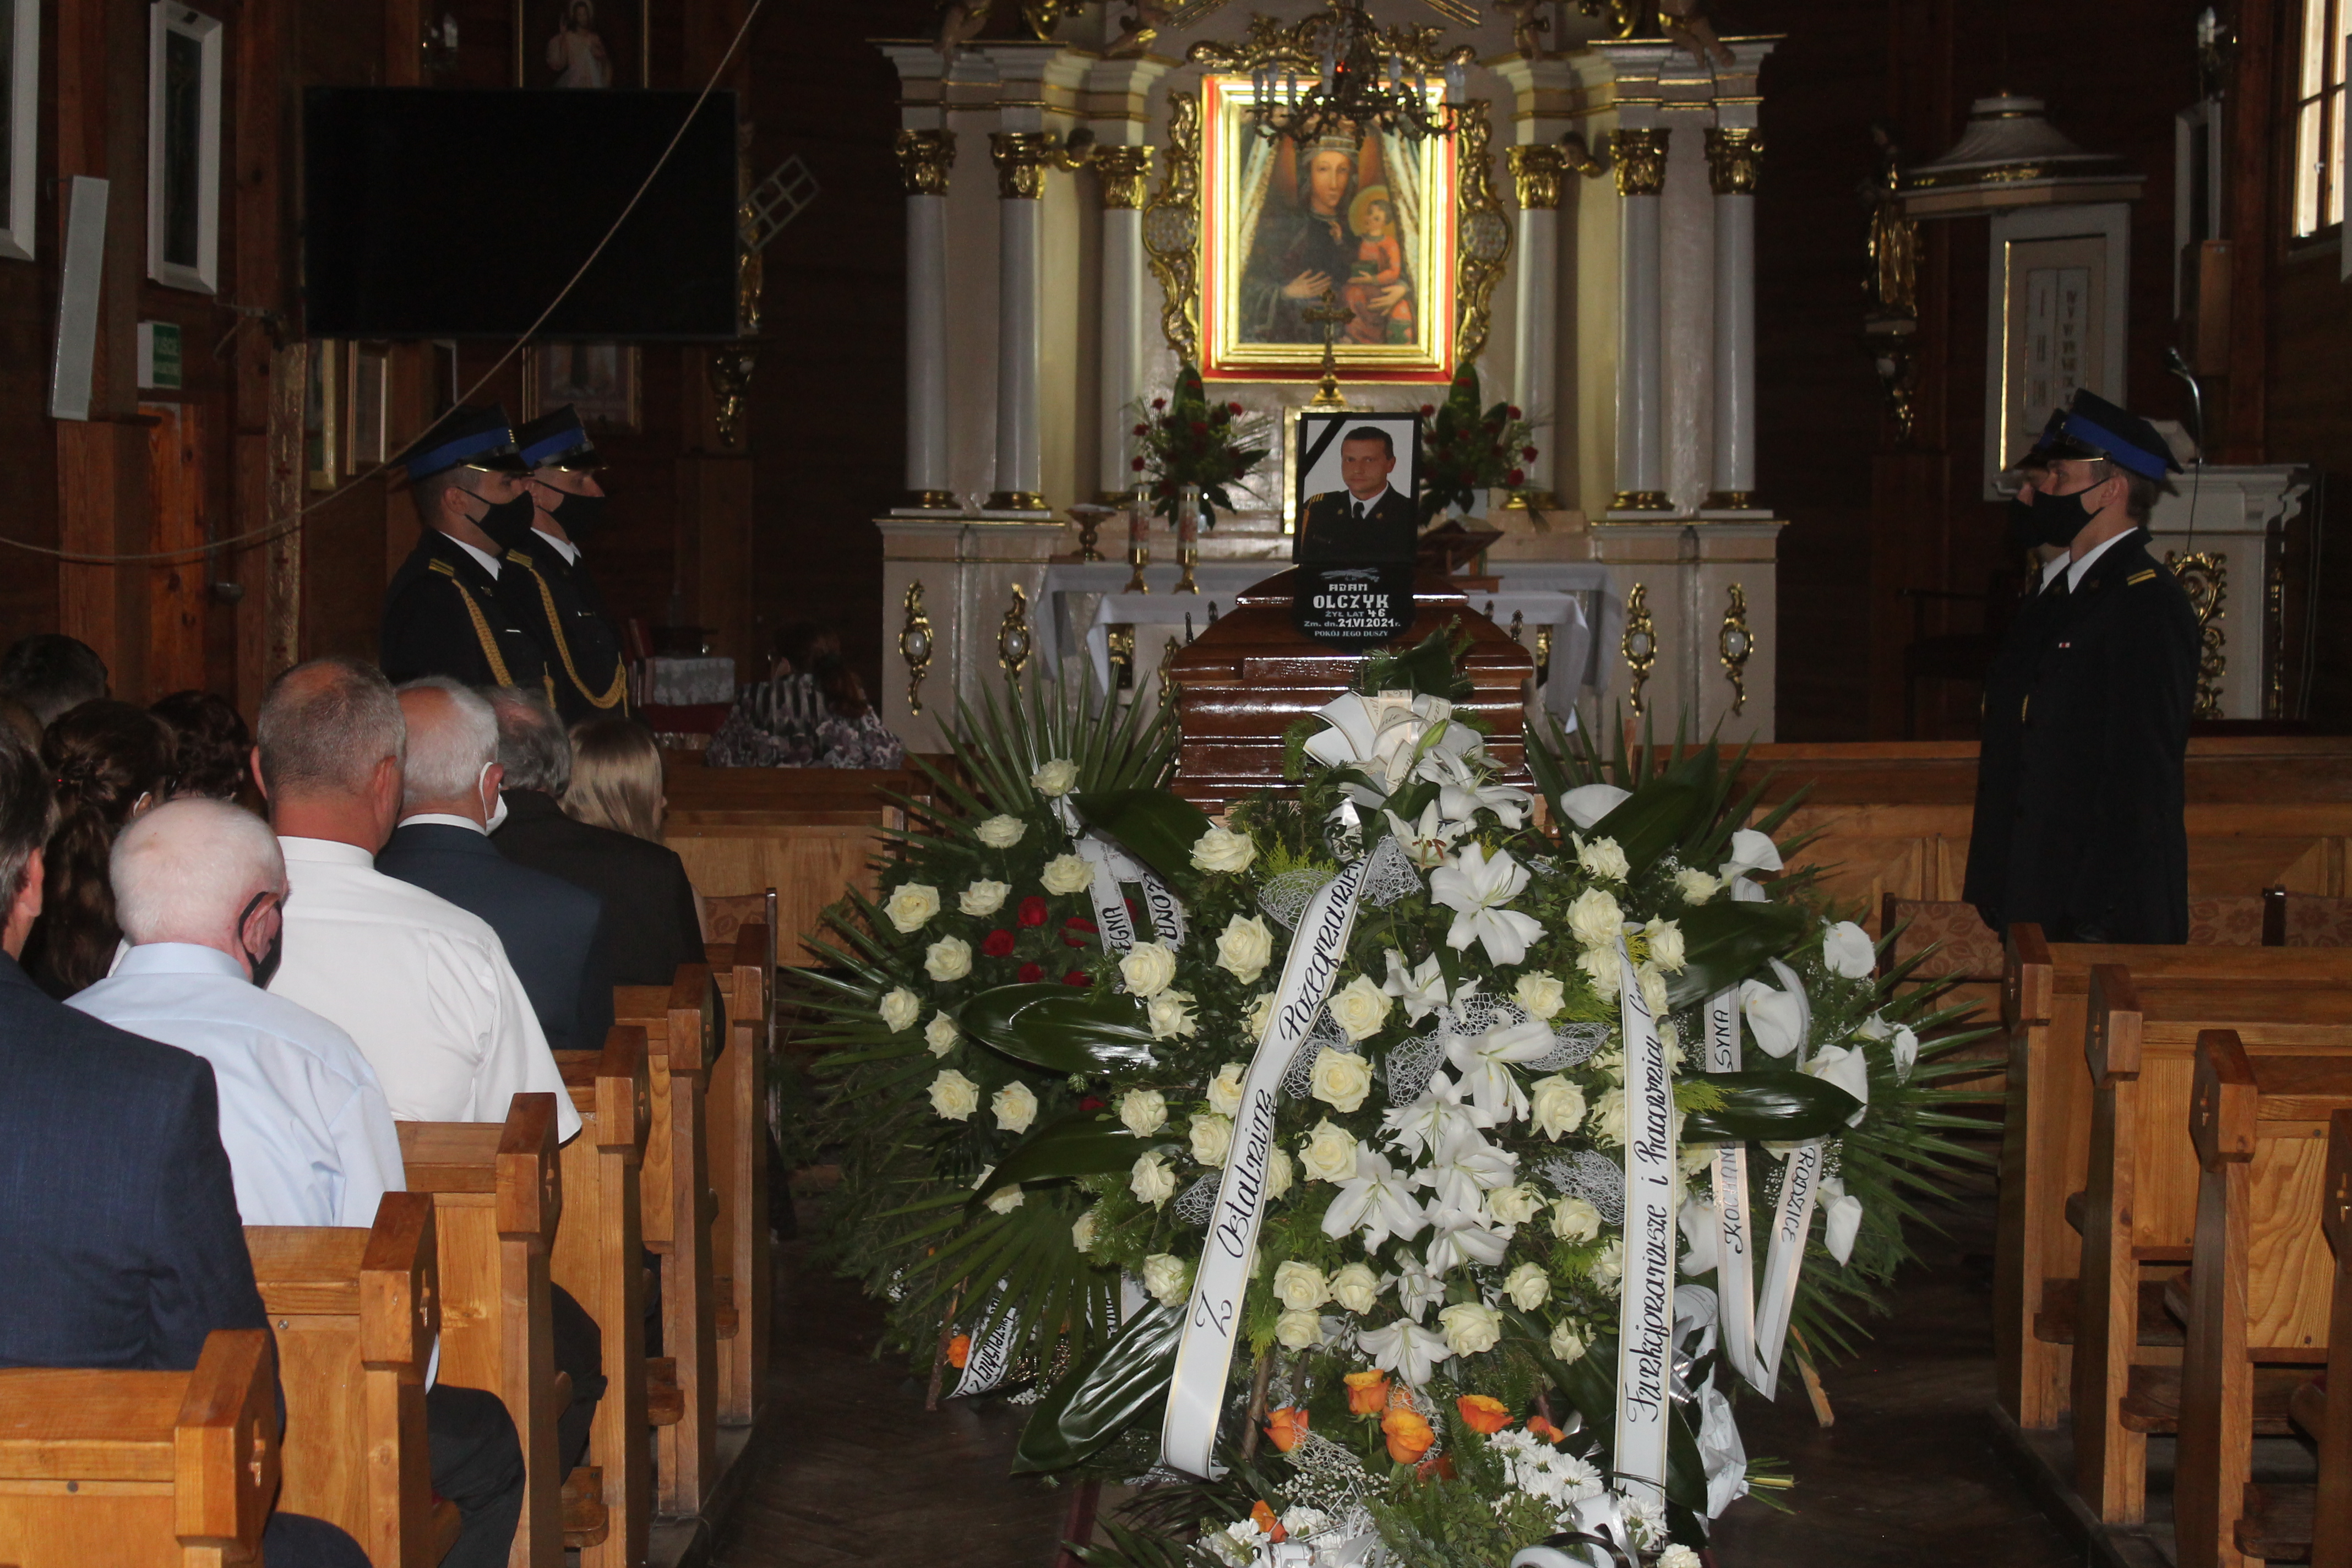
(2319,175)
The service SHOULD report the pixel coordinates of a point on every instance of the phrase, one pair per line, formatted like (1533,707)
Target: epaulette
(2137,578)
(441,566)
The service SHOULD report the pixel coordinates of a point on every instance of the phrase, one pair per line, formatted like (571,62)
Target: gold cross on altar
(1327,316)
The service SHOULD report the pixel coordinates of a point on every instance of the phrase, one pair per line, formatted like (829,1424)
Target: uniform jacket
(2079,824)
(1331,533)
(554,933)
(443,616)
(556,601)
(650,917)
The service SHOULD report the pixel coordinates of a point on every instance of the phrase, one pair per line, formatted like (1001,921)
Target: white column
(1638,153)
(1021,221)
(1123,172)
(1537,173)
(924,159)
(1735,153)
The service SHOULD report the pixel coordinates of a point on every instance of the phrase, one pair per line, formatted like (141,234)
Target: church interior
(1014,377)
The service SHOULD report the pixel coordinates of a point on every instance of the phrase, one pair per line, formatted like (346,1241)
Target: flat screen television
(433,213)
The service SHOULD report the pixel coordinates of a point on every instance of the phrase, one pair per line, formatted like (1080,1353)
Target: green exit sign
(159,354)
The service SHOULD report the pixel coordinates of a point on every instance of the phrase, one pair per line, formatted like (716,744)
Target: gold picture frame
(322,423)
(600,381)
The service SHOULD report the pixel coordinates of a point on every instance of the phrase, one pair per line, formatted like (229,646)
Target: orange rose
(1545,1429)
(959,1351)
(1368,1392)
(1286,1426)
(1263,1517)
(1408,1436)
(1481,1414)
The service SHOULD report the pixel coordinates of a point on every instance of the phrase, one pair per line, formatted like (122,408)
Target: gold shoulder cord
(620,690)
(481,627)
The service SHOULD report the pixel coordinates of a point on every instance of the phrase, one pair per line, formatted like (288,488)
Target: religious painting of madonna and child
(1352,233)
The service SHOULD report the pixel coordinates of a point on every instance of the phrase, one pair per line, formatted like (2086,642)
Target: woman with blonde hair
(617,778)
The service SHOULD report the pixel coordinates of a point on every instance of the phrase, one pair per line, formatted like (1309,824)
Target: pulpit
(1243,683)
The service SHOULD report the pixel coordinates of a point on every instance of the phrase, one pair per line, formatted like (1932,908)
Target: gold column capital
(1021,159)
(924,159)
(1641,157)
(1123,171)
(1538,171)
(1735,158)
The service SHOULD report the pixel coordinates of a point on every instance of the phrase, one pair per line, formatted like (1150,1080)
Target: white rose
(1144,1110)
(1680,1557)
(1298,1330)
(1055,778)
(1609,1118)
(1083,1233)
(1567,1345)
(939,1034)
(1258,1014)
(1529,1286)
(1220,849)
(899,1007)
(1212,1138)
(1360,1008)
(1329,1152)
(1573,1220)
(1066,874)
(1556,1106)
(1653,988)
(1514,1204)
(1278,1176)
(1594,919)
(1147,969)
(1300,1286)
(1015,1107)
(954,1096)
(1540,994)
(1600,968)
(1356,1287)
(950,958)
(1244,948)
(1002,832)
(1696,887)
(1470,1327)
(1604,859)
(1165,1276)
(1169,1015)
(983,898)
(1609,1266)
(1006,1201)
(1846,949)
(1667,951)
(1225,1088)
(1152,1180)
(1340,1079)
(911,904)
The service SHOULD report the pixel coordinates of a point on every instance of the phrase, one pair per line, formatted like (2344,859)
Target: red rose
(1091,1102)
(998,943)
(1529,453)
(1514,413)
(1516,477)
(1199,428)
(1032,910)
(1079,978)
(1137,464)
(1143,430)
(1427,409)
(1158,403)
(1233,408)
(1076,929)
(1031,974)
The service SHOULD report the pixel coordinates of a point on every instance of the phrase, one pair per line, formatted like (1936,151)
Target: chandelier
(1341,73)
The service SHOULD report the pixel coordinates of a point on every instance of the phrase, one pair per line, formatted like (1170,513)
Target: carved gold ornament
(1123,171)
(1172,228)
(1013,640)
(1020,157)
(1640,643)
(1734,642)
(1641,157)
(1482,238)
(2205,578)
(1734,157)
(915,646)
(924,159)
(1537,171)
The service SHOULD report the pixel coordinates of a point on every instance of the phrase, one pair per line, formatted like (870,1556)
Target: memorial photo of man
(1369,519)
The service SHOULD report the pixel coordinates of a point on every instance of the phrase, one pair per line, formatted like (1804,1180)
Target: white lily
(1462,793)
(1404,1348)
(1485,1065)
(1465,1168)
(1422,989)
(1427,841)
(1476,888)
(1417,1289)
(1463,1237)
(1385,736)
(1841,1218)
(1845,1067)
(1438,1114)
(1377,1200)
(1750,851)
(1589,805)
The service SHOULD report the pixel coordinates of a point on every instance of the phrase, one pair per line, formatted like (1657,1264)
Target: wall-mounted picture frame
(598,380)
(2058,284)
(20,120)
(183,147)
(582,43)
(322,424)
(366,397)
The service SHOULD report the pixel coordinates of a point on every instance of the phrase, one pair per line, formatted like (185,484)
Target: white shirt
(563,547)
(490,562)
(421,986)
(442,820)
(2081,562)
(309,1134)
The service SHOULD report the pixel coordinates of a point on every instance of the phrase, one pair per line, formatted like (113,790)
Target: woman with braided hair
(812,712)
(109,762)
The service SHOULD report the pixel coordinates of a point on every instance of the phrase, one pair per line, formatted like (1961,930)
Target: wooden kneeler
(599,1257)
(738,1115)
(136,1469)
(355,1313)
(2262,1288)
(683,1041)
(498,1192)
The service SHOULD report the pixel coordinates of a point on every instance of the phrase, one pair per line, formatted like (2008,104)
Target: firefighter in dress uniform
(546,585)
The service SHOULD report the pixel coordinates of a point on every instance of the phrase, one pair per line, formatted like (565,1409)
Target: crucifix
(1327,316)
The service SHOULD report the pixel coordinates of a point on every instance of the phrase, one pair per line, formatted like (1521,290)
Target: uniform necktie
(1360,511)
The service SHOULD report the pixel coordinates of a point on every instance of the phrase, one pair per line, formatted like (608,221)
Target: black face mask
(2058,518)
(506,521)
(579,516)
(2025,532)
(265,966)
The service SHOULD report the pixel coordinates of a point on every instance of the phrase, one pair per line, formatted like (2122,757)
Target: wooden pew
(2138,1213)
(682,1042)
(599,1257)
(497,1194)
(136,1469)
(2262,1286)
(355,1313)
(738,1110)
(2329,1421)
(2046,1129)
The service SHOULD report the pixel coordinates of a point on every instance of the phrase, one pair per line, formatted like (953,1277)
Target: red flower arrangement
(1464,451)
(1209,445)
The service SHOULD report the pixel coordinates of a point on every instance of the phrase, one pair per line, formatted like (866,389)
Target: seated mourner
(812,712)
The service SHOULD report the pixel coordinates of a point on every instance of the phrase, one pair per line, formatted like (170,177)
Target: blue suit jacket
(117,1214)
(553,932)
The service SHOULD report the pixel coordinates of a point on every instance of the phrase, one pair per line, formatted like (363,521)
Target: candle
(1136,532)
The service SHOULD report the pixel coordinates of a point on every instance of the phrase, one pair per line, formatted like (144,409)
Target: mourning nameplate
(1354,607)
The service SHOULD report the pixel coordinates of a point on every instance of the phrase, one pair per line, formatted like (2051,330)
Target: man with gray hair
(552,931)
(652,920)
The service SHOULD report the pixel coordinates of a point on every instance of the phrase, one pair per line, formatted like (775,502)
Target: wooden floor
(1909,1473)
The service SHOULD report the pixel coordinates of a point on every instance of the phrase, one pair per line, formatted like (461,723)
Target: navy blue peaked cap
(465,438)
(557,439)
(2090,426)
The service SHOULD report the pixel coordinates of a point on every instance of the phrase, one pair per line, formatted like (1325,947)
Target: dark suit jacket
(2079,818)
(650,917)
(117,1214)
(558,604)
(554,933)
(443,616)
(1331,533)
